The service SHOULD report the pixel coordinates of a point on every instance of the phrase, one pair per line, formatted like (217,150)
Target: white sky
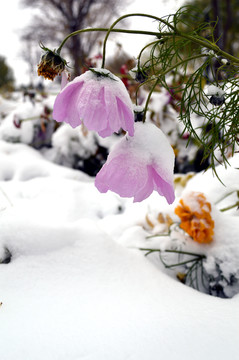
(13,19)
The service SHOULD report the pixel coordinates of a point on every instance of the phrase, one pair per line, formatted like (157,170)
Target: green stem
(175,251)
(144,48)
(182,263)
(201,41)
(205,43)
(148,98)
(124,17)
(135,32)
(3,192)
(230,207)
(224,197)
(157,235)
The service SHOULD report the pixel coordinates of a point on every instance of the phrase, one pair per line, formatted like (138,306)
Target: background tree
(6,75)
(54,19)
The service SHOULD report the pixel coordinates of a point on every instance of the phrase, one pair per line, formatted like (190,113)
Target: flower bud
(217,100)
(138,74)
(138,113)
(141,76)
(51,64)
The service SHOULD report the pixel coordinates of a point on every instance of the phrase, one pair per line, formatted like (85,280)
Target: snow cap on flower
(225,61)
(138,74)
(98,99)
(217,95)
(214,90)
(51,64)
(138,113)
(136,166)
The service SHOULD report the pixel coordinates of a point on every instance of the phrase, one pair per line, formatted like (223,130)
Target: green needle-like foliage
(185,61)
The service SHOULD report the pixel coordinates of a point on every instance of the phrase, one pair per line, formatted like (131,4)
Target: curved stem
(124,17)
(225,196)
(230,207)
(144,48)
(135,32)
(182,263)
(200,256)
(205,43)
(148,98)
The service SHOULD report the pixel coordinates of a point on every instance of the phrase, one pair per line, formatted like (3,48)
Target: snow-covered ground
(73,282)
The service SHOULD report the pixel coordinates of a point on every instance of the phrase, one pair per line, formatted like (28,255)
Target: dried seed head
(51,65)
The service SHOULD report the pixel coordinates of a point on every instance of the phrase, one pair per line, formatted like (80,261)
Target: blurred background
(26,23)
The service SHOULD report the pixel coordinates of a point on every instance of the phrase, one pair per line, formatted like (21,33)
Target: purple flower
(98,99)
(136,166)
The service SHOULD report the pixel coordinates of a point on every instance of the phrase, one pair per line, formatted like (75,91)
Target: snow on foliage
(73,281)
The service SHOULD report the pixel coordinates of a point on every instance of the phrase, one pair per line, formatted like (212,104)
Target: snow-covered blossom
(138,113)
(224,61)
(217,100)
(98,99)
(211,53)
(136,166)
(138,74)
(214,90)
(217,95)
(195,214)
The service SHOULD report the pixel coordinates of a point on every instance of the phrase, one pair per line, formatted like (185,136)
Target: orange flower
(196,217)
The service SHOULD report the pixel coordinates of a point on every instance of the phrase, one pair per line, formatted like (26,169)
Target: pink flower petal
(122,175)
(145,191)
(161,186)
(101,102)
(64,106)
(92,109)
(125,117)
(138,165)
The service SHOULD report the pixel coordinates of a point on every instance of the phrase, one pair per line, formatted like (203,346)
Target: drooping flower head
(51,64)
(216,94)
(98,99)
(195,214)
(138,165)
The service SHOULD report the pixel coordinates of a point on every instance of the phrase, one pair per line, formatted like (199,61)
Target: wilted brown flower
(51,64)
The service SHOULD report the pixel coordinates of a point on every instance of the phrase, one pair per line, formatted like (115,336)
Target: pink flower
(98,99)
(136,166)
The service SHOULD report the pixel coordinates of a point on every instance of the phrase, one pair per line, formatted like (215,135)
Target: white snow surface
(78,287)
(74,290)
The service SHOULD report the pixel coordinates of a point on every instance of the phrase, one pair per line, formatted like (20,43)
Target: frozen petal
(102,103)
(113,118)
(122,175)
(126,117)
(145,191)
(161,186)
(94,113)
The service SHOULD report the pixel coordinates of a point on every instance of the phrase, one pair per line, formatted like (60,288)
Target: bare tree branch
(57,18)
